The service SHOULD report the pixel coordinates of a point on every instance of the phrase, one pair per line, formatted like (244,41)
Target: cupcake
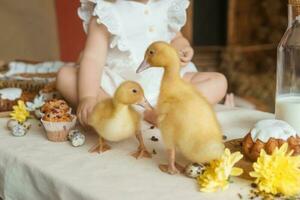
(58,124)
(56,104)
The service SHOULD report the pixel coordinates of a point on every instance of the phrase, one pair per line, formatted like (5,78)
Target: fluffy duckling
(186,119)
(114,119)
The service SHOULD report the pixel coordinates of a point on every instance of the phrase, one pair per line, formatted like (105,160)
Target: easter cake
(269,135)
(10,96)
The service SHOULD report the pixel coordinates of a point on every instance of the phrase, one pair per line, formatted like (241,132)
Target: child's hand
(85,107)
(186,54)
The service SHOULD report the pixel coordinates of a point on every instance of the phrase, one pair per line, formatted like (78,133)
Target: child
(118,33)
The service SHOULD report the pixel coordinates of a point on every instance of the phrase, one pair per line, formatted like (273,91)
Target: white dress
(134,26)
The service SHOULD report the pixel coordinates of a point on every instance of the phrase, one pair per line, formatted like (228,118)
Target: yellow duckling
(186,119)
(114,119)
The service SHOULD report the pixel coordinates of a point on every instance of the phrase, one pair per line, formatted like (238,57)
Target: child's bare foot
(229,101)
(150,116)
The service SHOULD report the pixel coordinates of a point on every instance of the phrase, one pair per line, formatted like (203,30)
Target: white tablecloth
(32,168)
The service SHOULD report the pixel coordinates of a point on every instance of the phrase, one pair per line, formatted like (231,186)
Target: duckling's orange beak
(145,65)
(145,104)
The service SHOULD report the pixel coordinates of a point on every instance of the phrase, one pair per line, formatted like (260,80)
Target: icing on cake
(10,93)
(276,129)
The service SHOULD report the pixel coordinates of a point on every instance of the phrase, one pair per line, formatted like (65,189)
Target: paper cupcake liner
(58,136)
(58,131)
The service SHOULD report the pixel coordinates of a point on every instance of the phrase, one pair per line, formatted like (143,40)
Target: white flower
(37,103)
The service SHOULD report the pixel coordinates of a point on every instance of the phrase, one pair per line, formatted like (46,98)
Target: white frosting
(10,93)
(277,129)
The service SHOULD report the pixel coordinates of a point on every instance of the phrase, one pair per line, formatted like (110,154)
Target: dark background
(210,22)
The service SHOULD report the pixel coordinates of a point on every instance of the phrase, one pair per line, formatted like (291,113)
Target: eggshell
(194,170)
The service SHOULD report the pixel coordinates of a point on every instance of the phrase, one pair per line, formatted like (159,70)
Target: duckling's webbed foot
(172,167)
(141,153)
(100,147)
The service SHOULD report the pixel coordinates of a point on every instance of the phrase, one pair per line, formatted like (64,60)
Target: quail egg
(76,138)
(194,170)
(20,130)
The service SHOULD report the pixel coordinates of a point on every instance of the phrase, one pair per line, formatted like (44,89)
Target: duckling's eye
(134,90)
(151,52)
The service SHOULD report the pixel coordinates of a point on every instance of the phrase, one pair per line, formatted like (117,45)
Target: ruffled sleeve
(177,15)
(103,10)
(85,12)
(106,15)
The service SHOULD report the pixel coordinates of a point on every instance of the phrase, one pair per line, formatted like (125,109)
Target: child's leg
(66,84)
(211,84)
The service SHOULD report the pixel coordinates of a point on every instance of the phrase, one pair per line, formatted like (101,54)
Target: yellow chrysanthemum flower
(278,173)
(20,112)
(217,175)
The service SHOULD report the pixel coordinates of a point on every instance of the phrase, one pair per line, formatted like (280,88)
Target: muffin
(55,104)
(269,135)
(57,124)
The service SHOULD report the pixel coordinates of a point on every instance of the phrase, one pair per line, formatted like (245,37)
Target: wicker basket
(26,85)
(6,105)
(31,82)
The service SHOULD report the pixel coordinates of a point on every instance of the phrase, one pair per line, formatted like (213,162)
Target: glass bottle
(290,14)
(288,72)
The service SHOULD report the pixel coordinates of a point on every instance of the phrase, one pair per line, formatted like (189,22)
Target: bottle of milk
(288,70)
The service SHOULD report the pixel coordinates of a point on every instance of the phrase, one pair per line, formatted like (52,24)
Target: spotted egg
(26,125)
(76,138)
(194,170)
(19,130)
